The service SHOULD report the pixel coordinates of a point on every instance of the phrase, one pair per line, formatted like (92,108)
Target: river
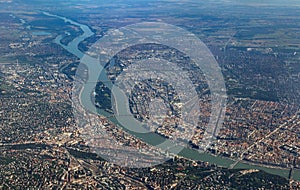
(152,139)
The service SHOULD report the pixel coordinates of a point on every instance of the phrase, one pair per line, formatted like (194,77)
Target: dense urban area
(43,146)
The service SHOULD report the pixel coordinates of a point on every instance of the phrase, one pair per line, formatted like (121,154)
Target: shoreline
(242,164)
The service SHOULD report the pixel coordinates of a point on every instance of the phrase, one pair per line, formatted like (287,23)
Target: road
(284,125)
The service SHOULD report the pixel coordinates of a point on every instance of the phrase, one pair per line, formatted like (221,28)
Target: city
(48,140)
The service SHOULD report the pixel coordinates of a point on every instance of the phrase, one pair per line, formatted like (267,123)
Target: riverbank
(191,154)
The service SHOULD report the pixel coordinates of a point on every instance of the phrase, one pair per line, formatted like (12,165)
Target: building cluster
(260,131)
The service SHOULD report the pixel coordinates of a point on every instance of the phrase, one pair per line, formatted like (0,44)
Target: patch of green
(253,32)
(47,23)
(5,160)
(84,155)
(68,38)
(103,97)
(253,94)
(6,60)
(37,176)
(70,70)
(4,86)
(28,146)
(257,180)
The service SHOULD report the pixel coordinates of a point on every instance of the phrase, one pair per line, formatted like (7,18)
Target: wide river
(152,139)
